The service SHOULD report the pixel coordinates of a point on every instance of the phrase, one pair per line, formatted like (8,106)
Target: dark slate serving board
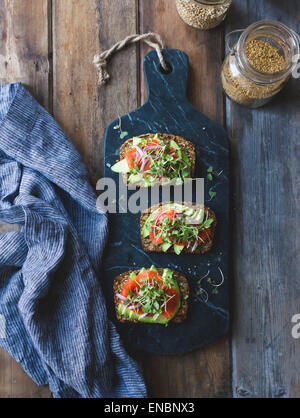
(168,111)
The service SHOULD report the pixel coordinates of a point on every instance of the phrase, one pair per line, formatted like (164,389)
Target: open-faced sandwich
(178,228)
(156,296)
(156,159)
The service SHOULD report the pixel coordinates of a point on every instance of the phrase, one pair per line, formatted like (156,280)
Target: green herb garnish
(151,297)
(123,134)
(212,194)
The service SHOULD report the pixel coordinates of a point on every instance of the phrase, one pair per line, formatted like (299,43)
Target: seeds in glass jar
(243,90)
(264,57)
(202,16)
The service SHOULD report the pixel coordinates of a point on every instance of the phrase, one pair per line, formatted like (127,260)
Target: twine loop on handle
(101,60)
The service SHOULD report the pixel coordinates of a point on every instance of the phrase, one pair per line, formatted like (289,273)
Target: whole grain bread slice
(182,281)
(186,146)
(201,249)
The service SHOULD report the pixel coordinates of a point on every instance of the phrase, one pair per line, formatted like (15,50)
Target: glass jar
(260,62)
(203,14)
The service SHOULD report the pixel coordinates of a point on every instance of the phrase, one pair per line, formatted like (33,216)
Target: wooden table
(49,46)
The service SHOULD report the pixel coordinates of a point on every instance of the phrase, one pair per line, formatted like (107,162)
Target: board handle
(166,85)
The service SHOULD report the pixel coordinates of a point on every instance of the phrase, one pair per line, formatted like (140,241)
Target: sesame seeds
(201,15)
(264,57)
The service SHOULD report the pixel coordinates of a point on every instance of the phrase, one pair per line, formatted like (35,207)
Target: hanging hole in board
(167,71)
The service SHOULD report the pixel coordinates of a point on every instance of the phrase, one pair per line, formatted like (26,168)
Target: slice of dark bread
(120,281)
(201,249)
(186,146)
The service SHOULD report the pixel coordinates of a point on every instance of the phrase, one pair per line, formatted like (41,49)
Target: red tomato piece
(131,157)
(157,240)
(172,304)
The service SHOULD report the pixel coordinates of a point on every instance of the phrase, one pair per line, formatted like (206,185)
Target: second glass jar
(203,14)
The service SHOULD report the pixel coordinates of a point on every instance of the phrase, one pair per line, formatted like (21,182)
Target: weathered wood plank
(205,373)
(82,29)
(266,151)
(25,46)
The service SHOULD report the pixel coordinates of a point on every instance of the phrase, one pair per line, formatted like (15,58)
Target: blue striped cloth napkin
(52,310)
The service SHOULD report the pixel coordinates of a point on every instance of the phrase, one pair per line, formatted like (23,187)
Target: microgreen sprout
(212,173)
(150,296)
(209,175)
(123,134)
(212,194)
(200,291)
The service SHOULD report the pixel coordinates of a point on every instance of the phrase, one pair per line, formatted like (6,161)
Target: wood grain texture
(266,152)
(207,372)
(25,46)
(81,30)
(25,55)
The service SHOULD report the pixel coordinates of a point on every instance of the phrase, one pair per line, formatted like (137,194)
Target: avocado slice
(121,167)
(136,141)
(168,275)
(178,249)
(135,317)
(166,246)
(135,178)
(153,268)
